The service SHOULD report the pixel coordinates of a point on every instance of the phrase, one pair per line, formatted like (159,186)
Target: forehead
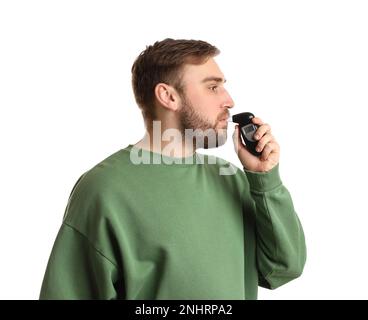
(199,72)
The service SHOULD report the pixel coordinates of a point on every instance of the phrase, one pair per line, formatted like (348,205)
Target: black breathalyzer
(247,130)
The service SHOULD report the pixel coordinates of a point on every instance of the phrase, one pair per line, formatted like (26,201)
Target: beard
(203,133)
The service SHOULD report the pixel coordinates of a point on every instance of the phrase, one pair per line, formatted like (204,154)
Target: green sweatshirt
(174,231)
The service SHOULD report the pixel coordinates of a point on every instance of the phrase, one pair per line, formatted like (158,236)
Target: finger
(268,149)
(268,137)
(262,130)
(271,150)
(257,120)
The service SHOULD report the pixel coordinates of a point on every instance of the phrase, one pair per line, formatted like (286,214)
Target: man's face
(205,102)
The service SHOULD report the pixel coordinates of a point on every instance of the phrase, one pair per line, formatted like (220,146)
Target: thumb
(238,145)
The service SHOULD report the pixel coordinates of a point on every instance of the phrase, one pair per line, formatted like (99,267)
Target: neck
(166,141)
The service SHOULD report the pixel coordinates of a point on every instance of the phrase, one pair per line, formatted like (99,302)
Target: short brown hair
(163,62)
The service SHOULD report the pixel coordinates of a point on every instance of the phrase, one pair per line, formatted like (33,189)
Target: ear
(167,96)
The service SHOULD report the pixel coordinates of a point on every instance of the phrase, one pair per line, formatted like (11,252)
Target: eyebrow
(216,79)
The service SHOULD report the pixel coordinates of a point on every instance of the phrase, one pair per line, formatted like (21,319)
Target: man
(157,220)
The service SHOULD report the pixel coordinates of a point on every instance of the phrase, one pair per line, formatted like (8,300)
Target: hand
(268,146)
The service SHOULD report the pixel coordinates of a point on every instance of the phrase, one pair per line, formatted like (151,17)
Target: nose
(228,101)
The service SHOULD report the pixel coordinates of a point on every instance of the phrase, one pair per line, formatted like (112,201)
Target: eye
(213,88)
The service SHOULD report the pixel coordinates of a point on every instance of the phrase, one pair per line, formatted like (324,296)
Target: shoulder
(95,190)
(98,178)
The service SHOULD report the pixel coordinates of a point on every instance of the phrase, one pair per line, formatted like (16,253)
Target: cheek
(203,101)
(196,99)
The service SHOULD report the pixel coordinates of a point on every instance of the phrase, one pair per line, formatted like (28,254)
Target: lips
(223,122)
(227,116)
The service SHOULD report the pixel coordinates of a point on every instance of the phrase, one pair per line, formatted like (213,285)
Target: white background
(66,104)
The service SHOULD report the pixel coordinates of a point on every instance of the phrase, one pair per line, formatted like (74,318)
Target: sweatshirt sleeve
(280,242)
(77,270)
